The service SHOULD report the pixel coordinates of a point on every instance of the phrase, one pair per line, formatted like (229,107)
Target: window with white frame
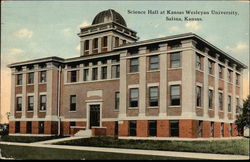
(85,74)
(212,129)
(175,95)
(229,101)
(43,100)
(221,101)
(115,71)
(19,79)
(154,62)
(153,96)
(210,67)
(117,100)
(134,97)
(104,72)
(220,72)
(42,76)
(210,98)
(175,60)
(94,73)
(19,104)
(72,102)
(31,78)
(198,62)
(200,129)
(30,103)
(198,96)
(134,65)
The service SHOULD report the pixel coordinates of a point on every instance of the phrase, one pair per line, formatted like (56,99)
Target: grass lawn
(231,146)
(35,153)
(27,139)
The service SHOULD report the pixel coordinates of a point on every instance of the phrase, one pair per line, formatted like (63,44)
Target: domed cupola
(109,16)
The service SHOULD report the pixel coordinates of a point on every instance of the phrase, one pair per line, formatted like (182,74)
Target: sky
(31,30)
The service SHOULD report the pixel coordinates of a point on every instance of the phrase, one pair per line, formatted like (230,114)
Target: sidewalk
(138,152)
(57,140)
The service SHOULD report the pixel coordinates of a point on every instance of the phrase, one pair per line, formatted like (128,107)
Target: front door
(94,116)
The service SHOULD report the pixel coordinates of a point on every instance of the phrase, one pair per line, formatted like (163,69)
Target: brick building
(175,86)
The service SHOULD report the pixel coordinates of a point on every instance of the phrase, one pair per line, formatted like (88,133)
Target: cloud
(174,29)
(78,47)
(24,33)
(15,51)
(66,32)
(193,26)
(83,24)
(240,47)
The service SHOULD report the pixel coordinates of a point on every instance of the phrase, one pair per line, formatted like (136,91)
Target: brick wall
(123,129)
(35,127)
(206,129)
(216,129)
(11,127)
(110,131)
(142,128)
(163,128)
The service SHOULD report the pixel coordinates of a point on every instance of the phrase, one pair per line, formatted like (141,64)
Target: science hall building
(174,86)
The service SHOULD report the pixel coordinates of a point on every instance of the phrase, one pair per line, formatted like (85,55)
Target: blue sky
(39,29)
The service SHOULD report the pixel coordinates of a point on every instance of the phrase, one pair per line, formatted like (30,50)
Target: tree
(243,119)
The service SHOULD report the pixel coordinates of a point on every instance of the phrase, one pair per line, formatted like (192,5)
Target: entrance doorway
(94,119)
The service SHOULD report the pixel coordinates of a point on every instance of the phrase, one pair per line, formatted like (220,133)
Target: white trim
(30,94)
(98,100)
(175,82)
(19,95)
(133,86)
(88,112)
(94,93)
(153,85)
(199,84)
(42,93)
(211,88)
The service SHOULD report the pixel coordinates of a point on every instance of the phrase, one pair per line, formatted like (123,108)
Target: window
(105,41)
(153,96)
(175,95)
(104,72)
(115,71)
(229,76)
(17,127)
(134,97)
(152,128)
(220,72)
(41,127)
(86,45)
(237,105)
(212,129)
(222,130)
(30,78)
(132,128)
(95,43)
(29,127)
(43,102)
(174,128)
(72,124)
(154,62)
(210,99)
(210,67)
(117,100)
(237,79)
(30,103)
(19,104)
(175,60)
(116,41)
(229,104)
(85,74)
(221,101)
(198,62)
(134,64)
(73,76)
(198,96)
(200,129)
(43,76)
(19,79)
(94,74)
(73,103)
